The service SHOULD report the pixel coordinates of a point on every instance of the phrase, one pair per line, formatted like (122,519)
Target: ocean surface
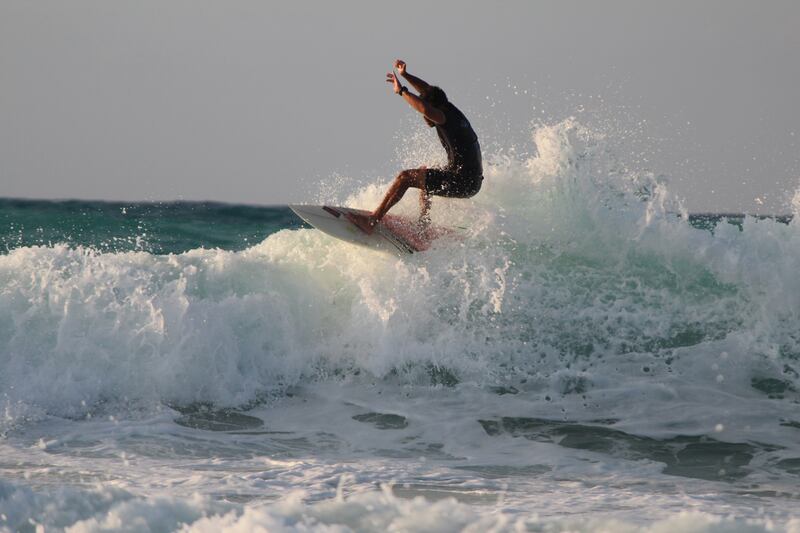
(584,356)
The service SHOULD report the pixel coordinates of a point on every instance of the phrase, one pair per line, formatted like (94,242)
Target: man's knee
(413,177)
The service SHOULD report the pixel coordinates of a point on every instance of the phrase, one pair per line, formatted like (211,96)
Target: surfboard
(395,234)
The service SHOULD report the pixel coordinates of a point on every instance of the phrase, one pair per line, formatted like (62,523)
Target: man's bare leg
(424,209)
(414,177)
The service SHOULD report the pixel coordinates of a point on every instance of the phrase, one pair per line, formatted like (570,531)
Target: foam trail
(102,510)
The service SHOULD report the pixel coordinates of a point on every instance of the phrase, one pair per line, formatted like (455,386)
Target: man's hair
(434,95)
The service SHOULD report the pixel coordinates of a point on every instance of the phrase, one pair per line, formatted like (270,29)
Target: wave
(577,279)
(103,509)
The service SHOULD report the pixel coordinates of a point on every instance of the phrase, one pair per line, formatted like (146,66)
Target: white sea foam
(578,294)
(113,510)
(567,257)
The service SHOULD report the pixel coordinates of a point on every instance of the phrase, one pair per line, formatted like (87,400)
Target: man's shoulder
(454,110)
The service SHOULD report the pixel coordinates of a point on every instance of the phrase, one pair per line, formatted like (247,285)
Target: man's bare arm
(431,113)
(418,84)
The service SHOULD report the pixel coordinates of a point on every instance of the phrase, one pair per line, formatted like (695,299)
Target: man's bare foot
(365,223)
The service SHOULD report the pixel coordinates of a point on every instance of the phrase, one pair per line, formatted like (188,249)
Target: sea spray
(579,349)
(572,270)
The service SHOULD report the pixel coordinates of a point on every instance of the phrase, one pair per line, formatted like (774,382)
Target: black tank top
(460,142)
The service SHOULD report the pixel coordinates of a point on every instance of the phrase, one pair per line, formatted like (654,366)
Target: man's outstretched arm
(418,84)
(431,113)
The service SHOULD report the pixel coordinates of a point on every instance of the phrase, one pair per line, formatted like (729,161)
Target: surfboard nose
(344,223)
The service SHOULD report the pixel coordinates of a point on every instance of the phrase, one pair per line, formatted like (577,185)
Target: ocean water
(584,356)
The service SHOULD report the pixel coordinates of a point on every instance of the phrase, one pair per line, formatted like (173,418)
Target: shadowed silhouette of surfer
(460,178)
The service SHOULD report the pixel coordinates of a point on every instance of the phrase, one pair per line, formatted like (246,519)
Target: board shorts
(452,184)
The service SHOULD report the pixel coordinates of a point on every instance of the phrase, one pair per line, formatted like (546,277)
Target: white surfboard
(392,234)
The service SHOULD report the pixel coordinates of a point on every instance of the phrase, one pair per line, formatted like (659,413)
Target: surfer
(463,174)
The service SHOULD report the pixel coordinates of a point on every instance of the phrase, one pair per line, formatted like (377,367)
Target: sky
(264,102)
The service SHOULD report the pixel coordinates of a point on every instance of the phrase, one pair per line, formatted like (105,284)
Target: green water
(158,228)
(170,227)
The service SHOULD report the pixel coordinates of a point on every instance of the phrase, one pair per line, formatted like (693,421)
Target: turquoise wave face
(159,228)
(172,227)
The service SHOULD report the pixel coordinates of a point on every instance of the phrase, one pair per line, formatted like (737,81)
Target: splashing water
(579,328)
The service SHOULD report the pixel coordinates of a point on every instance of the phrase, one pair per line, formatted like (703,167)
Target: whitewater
(580,358)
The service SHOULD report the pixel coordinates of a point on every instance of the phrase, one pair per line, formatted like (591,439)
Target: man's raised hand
(391,78)
(400,65)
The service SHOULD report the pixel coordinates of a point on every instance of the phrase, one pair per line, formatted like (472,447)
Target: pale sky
(261,101)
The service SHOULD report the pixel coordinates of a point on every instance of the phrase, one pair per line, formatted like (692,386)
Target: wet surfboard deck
(395,234)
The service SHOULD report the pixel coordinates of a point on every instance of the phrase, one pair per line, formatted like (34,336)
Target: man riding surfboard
(463,174)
